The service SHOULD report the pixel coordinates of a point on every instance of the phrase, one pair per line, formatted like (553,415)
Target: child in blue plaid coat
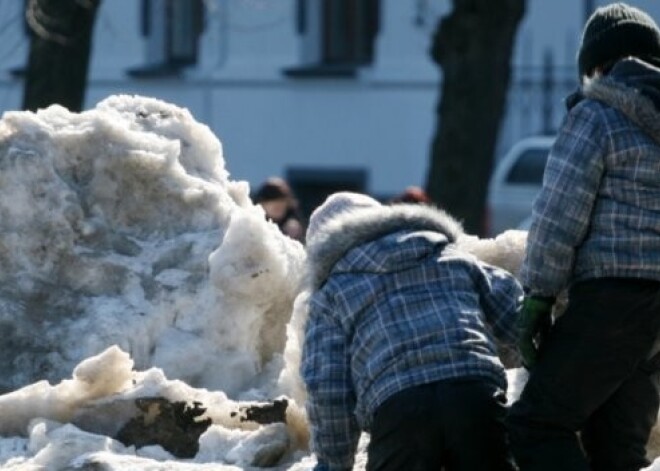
(596,233)
(401,340)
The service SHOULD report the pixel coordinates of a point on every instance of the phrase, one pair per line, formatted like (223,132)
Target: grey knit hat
(616,31)
(335,205)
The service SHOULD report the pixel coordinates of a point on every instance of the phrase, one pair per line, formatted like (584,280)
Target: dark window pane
(185,20)
(349,31)
(301,16)
(145,15)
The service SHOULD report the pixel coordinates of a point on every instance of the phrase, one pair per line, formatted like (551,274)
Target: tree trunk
(473,46)
(60,45)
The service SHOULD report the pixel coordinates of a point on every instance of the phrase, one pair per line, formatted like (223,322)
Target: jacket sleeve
(325,369)
(500,297)
(562,211)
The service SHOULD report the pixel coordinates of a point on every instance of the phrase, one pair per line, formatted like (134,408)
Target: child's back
(397,310)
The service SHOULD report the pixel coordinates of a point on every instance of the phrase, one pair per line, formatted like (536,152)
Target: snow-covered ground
(137,276)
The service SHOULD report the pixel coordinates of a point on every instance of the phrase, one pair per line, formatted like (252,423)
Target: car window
(528,169)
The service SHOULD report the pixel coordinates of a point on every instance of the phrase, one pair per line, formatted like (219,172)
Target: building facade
(327,93)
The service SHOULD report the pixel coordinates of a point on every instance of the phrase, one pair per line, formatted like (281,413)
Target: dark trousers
(597,373)
(450,425)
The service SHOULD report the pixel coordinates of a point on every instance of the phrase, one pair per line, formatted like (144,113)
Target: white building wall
(382,120)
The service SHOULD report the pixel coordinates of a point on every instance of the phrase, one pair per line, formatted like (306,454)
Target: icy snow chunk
(109,219)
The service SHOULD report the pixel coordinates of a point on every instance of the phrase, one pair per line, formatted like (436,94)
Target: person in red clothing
(412,194)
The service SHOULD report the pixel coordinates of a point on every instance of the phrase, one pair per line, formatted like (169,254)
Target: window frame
(162,26)
(338,37)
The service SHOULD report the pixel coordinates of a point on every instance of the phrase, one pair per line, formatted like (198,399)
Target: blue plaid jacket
(598,213)
(395,306)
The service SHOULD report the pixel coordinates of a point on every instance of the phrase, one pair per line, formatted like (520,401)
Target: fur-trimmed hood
(332,242)
(632,87)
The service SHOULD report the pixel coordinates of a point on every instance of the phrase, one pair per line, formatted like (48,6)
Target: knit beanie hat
(336,205)
(616,31)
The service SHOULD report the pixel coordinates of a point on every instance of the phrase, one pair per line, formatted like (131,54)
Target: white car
(516,181)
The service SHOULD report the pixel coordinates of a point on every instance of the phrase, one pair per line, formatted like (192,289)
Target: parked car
(515,182)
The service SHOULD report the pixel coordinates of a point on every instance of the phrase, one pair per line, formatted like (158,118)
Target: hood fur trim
(630,101)
(349,230)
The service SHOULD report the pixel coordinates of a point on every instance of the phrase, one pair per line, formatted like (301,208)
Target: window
(338,36)
(529,167)
(171,29)
(313,185)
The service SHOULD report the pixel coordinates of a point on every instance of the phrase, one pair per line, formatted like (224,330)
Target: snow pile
(120,227)
(67,422)
(124,243)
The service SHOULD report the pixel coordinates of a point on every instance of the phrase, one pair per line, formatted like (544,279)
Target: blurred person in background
(596,232)
(281,207)
(412,194)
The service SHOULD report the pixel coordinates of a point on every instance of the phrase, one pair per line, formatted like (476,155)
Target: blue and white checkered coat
(394,306)
(598,213)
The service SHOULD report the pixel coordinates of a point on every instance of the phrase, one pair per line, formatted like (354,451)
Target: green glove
(534,322)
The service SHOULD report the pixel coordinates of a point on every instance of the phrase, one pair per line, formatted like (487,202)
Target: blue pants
(597,373)
(455,425)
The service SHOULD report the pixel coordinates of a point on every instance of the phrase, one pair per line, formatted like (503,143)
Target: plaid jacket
(395,306)
(598,213)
